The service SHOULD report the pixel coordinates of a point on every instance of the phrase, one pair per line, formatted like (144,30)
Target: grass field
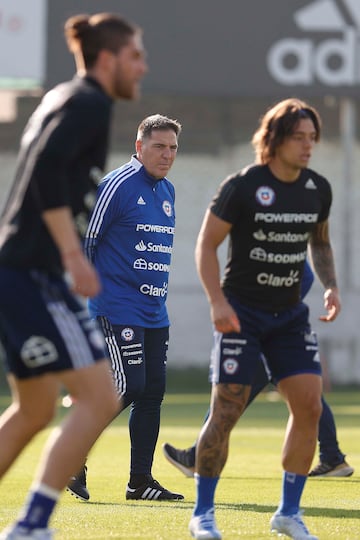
(247,494)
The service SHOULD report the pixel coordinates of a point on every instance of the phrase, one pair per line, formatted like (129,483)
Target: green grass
(247,493)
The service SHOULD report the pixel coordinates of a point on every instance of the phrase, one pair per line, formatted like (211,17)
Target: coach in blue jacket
(129,240)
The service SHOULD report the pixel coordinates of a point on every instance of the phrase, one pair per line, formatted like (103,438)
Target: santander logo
(334,61)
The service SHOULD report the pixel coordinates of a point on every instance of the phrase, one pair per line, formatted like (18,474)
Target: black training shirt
(271,224)
(61,158)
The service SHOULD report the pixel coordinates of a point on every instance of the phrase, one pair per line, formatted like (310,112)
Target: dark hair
(280,122)
(157,121)
(89,34)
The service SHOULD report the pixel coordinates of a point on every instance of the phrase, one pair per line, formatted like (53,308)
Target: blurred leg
(329,446)
(96,404)
(33,407)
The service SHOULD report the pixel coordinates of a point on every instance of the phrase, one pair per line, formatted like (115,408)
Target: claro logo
(334,61)
(152,290)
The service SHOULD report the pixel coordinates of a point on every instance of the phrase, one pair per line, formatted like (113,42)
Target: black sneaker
(77,485)
(151,490)
(325,469)
(184,460)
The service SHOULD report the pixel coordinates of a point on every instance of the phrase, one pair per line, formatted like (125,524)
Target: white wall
(22,28)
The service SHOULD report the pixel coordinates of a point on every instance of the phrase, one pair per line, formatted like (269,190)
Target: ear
(138,146)
(105,60)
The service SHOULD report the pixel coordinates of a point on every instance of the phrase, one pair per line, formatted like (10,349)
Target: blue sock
(38,508)
(205,490)
(292,488)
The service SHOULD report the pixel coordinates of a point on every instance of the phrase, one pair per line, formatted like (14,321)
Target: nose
(309,142)
(167,152)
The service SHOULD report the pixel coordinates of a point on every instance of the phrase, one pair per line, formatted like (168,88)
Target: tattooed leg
(228,402)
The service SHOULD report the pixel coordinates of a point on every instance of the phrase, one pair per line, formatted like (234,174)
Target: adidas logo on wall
(334,61)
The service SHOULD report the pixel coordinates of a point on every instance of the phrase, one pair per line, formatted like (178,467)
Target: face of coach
(157,151)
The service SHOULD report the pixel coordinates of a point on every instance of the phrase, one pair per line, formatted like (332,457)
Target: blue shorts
(43,327)
(285,339)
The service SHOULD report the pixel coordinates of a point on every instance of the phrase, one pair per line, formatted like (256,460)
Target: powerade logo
(334,61)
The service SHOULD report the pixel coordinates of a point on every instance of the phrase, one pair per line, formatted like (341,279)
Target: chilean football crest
(265,195)
(230,366)
(127,334)
(167,208)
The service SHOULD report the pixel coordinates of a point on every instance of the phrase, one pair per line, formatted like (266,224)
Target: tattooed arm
(323,262)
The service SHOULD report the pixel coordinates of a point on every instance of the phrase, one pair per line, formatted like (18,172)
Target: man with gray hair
(129,241)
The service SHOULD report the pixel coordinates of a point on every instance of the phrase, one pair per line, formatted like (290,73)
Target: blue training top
(129,240)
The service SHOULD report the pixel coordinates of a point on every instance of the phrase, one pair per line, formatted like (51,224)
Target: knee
(36,419)
(316,409)
(105,408)
(154,393)
(150,394)
(131,395)
(311,409)
(230,402)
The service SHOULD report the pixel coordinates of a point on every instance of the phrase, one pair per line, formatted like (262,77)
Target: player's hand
(332,305)
(224,317)
(83,276)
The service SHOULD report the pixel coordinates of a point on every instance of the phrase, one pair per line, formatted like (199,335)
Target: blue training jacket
(129,240)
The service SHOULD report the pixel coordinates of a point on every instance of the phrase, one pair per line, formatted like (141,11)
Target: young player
(48,337)
(272,213)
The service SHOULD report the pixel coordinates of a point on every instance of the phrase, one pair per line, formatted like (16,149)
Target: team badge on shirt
(127,334)
(265,195)
(167,208)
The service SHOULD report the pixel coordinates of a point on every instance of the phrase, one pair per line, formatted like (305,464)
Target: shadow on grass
(309,511)
(239,507)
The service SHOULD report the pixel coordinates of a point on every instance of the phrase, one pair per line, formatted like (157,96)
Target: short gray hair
(157,122)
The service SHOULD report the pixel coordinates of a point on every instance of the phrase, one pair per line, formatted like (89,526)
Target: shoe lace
(155,484)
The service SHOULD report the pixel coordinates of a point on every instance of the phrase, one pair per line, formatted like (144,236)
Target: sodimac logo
(332,61)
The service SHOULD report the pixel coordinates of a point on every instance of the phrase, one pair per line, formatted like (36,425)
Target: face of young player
(157,152)
(295,152)
(129,68)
